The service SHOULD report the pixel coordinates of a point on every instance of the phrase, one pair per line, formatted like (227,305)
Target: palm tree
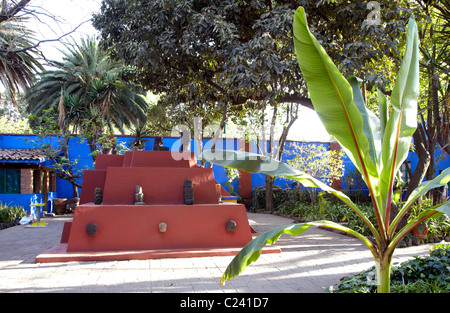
(87,79)
(18,62)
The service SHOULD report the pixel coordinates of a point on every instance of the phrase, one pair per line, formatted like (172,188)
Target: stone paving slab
(58,253)
(308,263)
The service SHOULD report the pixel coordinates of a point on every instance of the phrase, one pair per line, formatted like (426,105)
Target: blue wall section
(26,199)
(79,149)
(16,141)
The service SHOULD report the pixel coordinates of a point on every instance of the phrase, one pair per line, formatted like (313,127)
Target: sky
(71,13)
(308,127)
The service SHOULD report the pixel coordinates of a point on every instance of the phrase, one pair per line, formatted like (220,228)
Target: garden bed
(9,224)
(10,215)
(426,274)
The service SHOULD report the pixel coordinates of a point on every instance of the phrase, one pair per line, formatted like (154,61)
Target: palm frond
(88,73)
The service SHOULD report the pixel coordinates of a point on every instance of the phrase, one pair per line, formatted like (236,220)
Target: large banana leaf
(402,122)
(384,111)
(372,126)
(332,97)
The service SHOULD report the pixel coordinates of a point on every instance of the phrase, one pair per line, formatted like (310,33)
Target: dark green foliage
(281,197)
(357,224)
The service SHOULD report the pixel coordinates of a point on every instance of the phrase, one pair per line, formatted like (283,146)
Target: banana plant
(377,147)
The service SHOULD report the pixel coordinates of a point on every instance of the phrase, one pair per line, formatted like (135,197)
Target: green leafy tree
(205,53)
(197,52)
(376,146)
(318,162)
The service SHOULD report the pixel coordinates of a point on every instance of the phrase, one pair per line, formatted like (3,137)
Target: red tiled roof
(23,154)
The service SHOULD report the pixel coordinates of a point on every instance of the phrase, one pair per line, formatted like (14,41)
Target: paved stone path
(310,262)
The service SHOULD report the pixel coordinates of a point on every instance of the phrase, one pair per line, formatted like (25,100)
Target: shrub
(296,202)
(323,210)
(289,198)
(357,224)
(11,213)
(438,227)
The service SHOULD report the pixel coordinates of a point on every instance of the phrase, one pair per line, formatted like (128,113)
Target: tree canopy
(203,55)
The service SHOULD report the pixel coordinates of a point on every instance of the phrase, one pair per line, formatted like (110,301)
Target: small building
(26,177)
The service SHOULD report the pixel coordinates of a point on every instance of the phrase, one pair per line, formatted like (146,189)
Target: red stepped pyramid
(162,225)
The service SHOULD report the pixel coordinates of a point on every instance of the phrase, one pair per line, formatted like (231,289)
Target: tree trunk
(424,161)
(92,143)
(440,122)
(277,152)
(269,193)
(76,194)
(431,172)
(220,130)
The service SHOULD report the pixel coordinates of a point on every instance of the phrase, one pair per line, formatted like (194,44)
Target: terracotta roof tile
(23,154)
